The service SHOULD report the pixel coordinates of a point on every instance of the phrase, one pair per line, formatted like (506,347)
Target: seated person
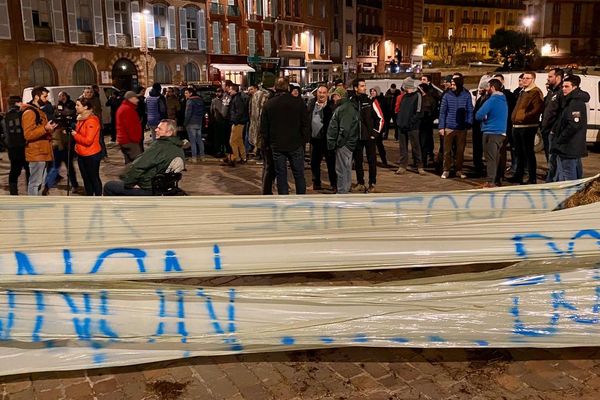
(164,155)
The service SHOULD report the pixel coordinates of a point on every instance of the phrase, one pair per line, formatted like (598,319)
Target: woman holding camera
(87,147)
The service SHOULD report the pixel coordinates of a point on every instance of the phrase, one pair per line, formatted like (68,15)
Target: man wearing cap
(408,121)
(129,127)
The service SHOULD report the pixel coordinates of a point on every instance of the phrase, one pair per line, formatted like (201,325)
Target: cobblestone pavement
(348,373)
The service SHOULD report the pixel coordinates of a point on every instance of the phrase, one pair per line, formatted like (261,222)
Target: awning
(233,67)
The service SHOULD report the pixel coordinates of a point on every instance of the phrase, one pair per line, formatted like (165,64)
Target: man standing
(493,116)
(552,106)
(456,117)
(408,121)
(129,127)
(238,117)
(508,141)
(526,119)
(342,137)
(567,139)
(257,102)
(477,133)
(371,126)
(164,155)
(194,116)
(286,129)
(15,143)
(320,111)
(38,135)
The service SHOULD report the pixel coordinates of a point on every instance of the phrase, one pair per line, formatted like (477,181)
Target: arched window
(191,72)
(83,73)
(41,73)
(162,73)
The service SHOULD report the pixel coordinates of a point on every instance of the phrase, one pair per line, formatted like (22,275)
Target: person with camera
(87,146)
(15,144)
(64,116)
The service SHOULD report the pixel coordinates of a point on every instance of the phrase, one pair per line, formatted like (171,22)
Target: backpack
(14,129)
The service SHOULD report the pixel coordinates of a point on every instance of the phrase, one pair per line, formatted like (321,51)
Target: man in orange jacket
(38,135)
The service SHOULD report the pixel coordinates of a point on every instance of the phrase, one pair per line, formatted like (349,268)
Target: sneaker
(358,188)
(186,144)
(446,174)
(371,189)
(317,186)
(400,171)
(421,171)
(461,174)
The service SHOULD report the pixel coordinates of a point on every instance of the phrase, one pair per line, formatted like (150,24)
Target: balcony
(370,3)
(85,37)
(369,30)
(123,40)
(253,17)
(269,19)
(233,11)
(217,9)
(42,33)
(162,42)
(193,44)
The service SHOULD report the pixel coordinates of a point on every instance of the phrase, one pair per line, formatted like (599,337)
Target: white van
(76,92)
(589,83)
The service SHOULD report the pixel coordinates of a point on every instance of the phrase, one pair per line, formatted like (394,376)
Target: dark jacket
(194,111)
(410,112)
(154,160)
(238,110)
(552,105)
(344,126)
(285,124)
(156,107)
(326,113)
(568,134)
(371,117)
(13,132)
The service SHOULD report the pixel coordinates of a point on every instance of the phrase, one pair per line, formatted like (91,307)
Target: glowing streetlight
(528,21)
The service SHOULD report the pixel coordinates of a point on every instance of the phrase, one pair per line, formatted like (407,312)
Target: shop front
(320,71)
(293,67)
(228,67)
(267,69)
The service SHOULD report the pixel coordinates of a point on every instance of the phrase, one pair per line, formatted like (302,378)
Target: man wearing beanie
(129,127)
(456,117)
(408,121)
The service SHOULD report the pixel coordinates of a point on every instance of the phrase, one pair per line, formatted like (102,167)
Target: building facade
(127,43)
(402,32)
(343,39)
(369,32)
(302,36)
(565,28)
(455,27)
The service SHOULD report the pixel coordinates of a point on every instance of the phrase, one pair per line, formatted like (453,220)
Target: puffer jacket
(155,160)
(39,141)
(344,126)
(156,108)
(87,138)
(568,136)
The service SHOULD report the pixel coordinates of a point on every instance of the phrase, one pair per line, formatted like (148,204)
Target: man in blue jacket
(456,117)
(194,116)
(493,115)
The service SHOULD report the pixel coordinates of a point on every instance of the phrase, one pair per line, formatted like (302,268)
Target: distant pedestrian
(156,107)
(129,127)
(88,147)
(238,117)
(219,123)
(194,117)
(553,103)
(320,111)
(408,121)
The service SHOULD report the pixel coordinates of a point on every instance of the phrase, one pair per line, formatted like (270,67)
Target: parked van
(76,92)
(589,83)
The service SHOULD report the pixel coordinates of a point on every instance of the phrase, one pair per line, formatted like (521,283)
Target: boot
(13,189)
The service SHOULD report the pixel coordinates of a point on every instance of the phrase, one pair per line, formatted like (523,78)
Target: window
(311,8)
(426,32)
(232,39)
(191,73)
(40,11)
(576,19)
(474,33)
(216,30)
(475,15)
(451,16)
(162,73)
(160,20)
(574,46)
(465,14)
(438,14)
(484,33)
(498,18)
(191,23)
(349,3)
(348,26)
(41,73)
(349,51)
(267,43)
(463,49)
(83,73)
(323,43)
(437,31)
(463,33)
(436,51)
(251,42)
(323,9)
(84,16)
(486,17)
(484,51)
(311,42)
(121,17)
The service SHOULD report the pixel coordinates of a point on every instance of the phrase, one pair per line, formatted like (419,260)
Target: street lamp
(527,23)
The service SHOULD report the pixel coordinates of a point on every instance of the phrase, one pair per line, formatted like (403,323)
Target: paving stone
(107,386)
(366,383)
(405,371)
(375,369)
(346,369)
(51,394)
(509,382)
(81,390)
(19,386)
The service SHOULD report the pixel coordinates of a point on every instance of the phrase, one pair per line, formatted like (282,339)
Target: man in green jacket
(342,136)
(163,155)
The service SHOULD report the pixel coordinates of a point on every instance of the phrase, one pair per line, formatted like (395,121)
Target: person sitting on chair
(163,155)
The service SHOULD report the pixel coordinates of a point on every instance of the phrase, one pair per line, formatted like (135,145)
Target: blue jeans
(195,135)
(37,177)
(296,159)
(117,188)
(568,169)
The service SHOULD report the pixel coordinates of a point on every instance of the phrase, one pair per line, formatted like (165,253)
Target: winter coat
(456,110)
(257,103)
(173,107)
(285,124)
(493,114)
(87,138)
(568,136)
(528,109)
(194,111)
(39,141)
(410,112)
(344,126)
(325,113)
(371,117)
(156,108)
(238,110)
(552,107)
(129,127)
(155,160)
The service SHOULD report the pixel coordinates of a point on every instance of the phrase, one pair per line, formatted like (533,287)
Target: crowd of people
(274,126)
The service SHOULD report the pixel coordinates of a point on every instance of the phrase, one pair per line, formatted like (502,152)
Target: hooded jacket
(568,136)
(155,160)
(194,111)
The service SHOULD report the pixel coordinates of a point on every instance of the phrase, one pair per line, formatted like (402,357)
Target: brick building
(402,30)
(129,43)
(453,27)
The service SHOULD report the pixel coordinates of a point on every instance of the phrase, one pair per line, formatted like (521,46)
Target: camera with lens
(63,121)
